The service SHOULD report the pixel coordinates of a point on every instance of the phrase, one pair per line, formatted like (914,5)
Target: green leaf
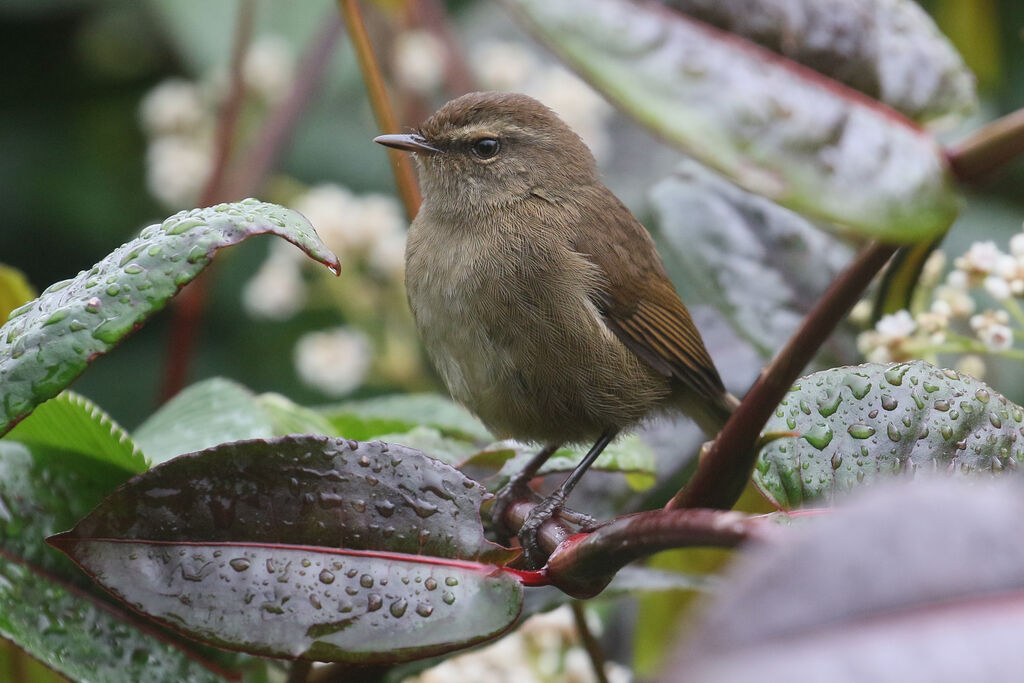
(769,125)
(72,422)
(219,410)
(84,639)
(205,414)
(628,454)
(304,547)
(371,418)
(762,266)
(860,423)
(890,50)
(429,440)
(14,290)
(48,342)
(44,490)
(288,417)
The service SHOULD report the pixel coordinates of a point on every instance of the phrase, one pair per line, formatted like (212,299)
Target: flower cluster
(946,319)
(178,117)
(545,649)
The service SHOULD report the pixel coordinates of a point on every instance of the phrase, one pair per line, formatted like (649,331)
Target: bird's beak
(410,143)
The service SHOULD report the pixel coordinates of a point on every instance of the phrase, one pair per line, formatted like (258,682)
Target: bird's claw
(514,491)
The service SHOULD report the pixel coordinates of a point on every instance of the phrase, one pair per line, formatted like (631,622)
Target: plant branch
(584,564)
(725,467)
(988,148)
(188,307)
(400,164)
(590,644)
(252,171)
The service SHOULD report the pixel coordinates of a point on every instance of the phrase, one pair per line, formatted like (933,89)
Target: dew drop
(239,564)
(430,584)
(451,581)
(424,609)
(941,404)
(994,419)
(818,436)
(398,607)
(894,433)
(889,403)
(385,508)
(982,395)
(860,431)
(326,576)
(366,581)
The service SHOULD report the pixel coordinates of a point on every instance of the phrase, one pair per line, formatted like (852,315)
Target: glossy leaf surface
(48,342)
(771,126)
(859,423)
(888,49)
(304,547)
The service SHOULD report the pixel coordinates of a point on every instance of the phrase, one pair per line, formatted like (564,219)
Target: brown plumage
(540,298)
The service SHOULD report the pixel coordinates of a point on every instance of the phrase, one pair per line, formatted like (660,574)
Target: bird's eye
(485,148)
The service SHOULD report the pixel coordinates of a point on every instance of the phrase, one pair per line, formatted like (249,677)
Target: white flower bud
(333,361)
(419,59)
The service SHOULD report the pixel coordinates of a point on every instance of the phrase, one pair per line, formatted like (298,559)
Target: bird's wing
(638,301)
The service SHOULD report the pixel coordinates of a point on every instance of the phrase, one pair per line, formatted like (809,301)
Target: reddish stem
(188,306)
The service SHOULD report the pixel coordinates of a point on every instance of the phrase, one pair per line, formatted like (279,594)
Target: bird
(539,297)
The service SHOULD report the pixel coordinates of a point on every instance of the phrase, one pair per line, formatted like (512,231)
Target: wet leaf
(307,547)
(890,50)
(44,490)
(72,422)
(82,638)
(859,423)
(312,603)
(374,417)
(288,417)
(303,490)
(48,342)
(909,584)
(429,440)
(762,266)
(769,125)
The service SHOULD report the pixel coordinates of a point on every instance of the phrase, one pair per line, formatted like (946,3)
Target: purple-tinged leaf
(306,602)
(303,490)
(50,341)
(909,585)
(304,546)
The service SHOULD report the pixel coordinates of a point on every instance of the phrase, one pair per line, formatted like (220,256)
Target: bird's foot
(549,507)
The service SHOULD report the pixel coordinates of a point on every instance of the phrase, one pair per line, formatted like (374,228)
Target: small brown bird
(540,298)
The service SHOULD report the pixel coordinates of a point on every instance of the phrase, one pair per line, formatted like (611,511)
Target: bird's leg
(553,503)
(518,488)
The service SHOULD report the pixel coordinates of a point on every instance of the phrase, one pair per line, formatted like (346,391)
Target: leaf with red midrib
(306,547)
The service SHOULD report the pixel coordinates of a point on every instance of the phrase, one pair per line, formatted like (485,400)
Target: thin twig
(590,644)
(408,190)
(726,466)
(251,172)
(188,307)
(988,148)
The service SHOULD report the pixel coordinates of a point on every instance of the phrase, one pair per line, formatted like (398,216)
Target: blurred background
(108,114)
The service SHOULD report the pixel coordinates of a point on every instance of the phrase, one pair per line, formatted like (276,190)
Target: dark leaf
(48,342)
(857,423)
(909,585)
(307,547)
(311,603)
